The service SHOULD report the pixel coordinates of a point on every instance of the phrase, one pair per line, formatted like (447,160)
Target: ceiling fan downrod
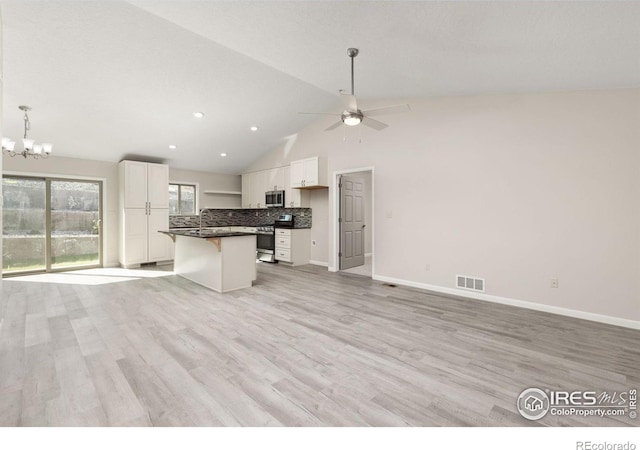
(352,53)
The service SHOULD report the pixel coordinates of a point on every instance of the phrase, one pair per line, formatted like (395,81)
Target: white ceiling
(115,79)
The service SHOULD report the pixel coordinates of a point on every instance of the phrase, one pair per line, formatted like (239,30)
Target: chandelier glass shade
(29,147)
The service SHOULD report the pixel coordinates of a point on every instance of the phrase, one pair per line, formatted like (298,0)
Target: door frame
(336,214)
(103,206)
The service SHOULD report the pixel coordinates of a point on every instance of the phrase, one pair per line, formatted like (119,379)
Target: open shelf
(223,192)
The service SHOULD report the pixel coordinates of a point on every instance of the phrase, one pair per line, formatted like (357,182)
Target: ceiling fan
(352,116)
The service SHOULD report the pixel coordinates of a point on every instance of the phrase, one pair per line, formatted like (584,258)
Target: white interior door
(352,213)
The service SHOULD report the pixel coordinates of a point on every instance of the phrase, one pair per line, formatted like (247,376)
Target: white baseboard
(319,263)
(618,321)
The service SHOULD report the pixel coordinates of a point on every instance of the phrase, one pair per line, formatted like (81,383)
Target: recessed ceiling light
(223,154)
(172,147)
(198,115)
(254,128)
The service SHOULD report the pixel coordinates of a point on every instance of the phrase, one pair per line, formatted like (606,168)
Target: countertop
(205,234)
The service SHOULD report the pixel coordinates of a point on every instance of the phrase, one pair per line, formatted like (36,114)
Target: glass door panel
(75,223)
(23,224)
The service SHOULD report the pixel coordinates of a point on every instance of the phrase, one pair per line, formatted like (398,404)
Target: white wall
(78,168)
(211,182)
(515,189)
(2,299)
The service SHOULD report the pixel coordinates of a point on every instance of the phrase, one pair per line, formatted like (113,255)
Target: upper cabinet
(293,198)
(258,189)
(254,186)
(144,185)
(309,173)
(275,179)
(247,185)
(133,184)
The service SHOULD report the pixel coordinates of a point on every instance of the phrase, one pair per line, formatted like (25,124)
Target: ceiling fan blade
(395,109)
(349,101)
(321,114)
(372,123)
(334,126)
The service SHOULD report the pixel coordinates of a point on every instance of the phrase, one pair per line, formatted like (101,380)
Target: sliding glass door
(23,225)
(51,224)
(75,223)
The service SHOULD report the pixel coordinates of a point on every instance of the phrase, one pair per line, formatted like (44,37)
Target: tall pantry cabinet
(144,209)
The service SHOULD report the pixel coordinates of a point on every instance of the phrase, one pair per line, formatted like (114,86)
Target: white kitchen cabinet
(258,189)
(134,240)
(293,198)
(254,186)
(293,245)
(276,179)
(146,185)
(247,192)
(144,209)
(159,244)
(158,186)
(309,173)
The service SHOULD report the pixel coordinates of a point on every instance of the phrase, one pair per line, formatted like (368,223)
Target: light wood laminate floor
(303,347)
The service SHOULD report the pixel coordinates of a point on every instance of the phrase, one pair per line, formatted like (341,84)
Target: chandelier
(30,148)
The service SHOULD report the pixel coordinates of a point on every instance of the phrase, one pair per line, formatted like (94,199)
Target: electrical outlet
(301,213)
(230,214)
(313,242)
(427,267)
(554,282)
(256,213)
(389,214)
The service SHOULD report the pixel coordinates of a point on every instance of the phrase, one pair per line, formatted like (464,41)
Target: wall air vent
(470,283)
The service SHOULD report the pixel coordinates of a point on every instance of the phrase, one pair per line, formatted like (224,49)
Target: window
(182,199)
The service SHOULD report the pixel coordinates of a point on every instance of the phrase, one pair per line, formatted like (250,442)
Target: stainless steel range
(266,243)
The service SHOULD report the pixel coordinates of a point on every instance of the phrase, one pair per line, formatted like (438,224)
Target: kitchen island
(220,260)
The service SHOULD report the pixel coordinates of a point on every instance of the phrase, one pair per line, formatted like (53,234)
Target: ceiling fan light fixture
(352,119)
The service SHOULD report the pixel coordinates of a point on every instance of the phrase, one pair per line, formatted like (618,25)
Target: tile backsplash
(242,217)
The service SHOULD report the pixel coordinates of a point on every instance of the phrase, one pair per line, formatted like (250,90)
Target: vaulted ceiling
(114,79)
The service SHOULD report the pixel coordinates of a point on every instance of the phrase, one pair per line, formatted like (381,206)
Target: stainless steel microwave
(274,199)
